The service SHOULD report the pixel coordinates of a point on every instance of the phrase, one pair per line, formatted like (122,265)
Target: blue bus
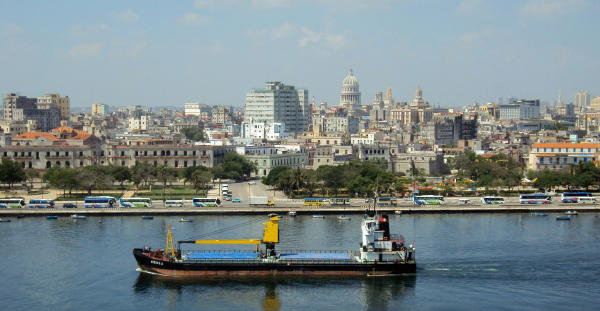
(206,202)
(536,198)
(41,203)
(99,202)
(573,197)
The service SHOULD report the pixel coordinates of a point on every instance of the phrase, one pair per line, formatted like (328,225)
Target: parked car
(236,201)
(69,205)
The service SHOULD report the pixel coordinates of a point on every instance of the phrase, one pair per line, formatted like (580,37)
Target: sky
(167,53)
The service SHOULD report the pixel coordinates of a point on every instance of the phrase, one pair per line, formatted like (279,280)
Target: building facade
(278,103)
(559,156)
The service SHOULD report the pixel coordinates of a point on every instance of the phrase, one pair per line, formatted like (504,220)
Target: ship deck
(285,256)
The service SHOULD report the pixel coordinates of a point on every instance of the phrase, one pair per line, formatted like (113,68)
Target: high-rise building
(520,110)
(22,108)
(278,103)
(582,99)
(350,93)
(55,100)
(99,109)
(595,103)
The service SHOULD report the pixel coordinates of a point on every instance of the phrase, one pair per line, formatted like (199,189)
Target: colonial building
(558,156)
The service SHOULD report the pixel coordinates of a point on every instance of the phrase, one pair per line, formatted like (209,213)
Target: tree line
(356,178)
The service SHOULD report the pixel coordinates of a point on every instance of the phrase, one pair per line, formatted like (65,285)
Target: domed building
(350,94)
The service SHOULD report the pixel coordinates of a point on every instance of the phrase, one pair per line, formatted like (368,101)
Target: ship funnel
(384,224)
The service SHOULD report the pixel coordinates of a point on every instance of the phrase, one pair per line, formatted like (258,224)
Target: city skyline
(170,54)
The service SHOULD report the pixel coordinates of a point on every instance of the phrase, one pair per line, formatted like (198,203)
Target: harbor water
(465,262)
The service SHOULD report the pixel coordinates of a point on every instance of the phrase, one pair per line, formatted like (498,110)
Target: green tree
(31,175)
(142,173)
(272,179)
(11,172)
(194,133)
(186,173)
(121,174)
(200,179)
(165,174)
(235,166)
(66,179)
(94,177)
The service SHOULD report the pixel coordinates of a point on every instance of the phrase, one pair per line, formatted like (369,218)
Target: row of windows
(162,153)
(567,149)
(565,160)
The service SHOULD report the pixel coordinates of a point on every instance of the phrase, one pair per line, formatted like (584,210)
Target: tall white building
(278,103)
(139,124)
(268,131)
(99,109)
(350,93)
(582,99)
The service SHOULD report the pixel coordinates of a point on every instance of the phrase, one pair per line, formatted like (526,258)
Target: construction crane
(270,237)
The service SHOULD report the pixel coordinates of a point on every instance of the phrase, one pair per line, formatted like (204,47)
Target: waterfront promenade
(247,210)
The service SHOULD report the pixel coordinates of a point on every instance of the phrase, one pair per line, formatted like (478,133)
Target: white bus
(492,200)
(173,203)
(99,202)
(428,199)
(206,202)
(12,203)
(536,198)
(135,202)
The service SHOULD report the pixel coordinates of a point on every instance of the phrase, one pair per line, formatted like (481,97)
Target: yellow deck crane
(270,238)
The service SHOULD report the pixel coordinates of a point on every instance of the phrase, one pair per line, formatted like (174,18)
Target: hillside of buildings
(354,148)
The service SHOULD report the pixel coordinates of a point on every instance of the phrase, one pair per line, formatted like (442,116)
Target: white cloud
(304,36)
(552,8)
(86,50)
(310,37)
(201,4)
(127,16)
(192,19)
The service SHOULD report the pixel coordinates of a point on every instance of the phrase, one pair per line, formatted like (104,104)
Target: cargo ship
(380,253)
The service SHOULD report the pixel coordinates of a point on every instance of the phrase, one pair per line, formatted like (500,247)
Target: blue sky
(161,53)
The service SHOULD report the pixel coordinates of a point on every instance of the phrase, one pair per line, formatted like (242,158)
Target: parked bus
(492,200)
(313,201)
(340,201)
(12,203)
(135,202)
(206,202)
(536,198)
(41,203)
(573,197)
(173,203)
(428,199)
(386,201)
(99,202)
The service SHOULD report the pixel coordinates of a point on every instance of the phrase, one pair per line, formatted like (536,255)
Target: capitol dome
(350,94)
(351,81)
